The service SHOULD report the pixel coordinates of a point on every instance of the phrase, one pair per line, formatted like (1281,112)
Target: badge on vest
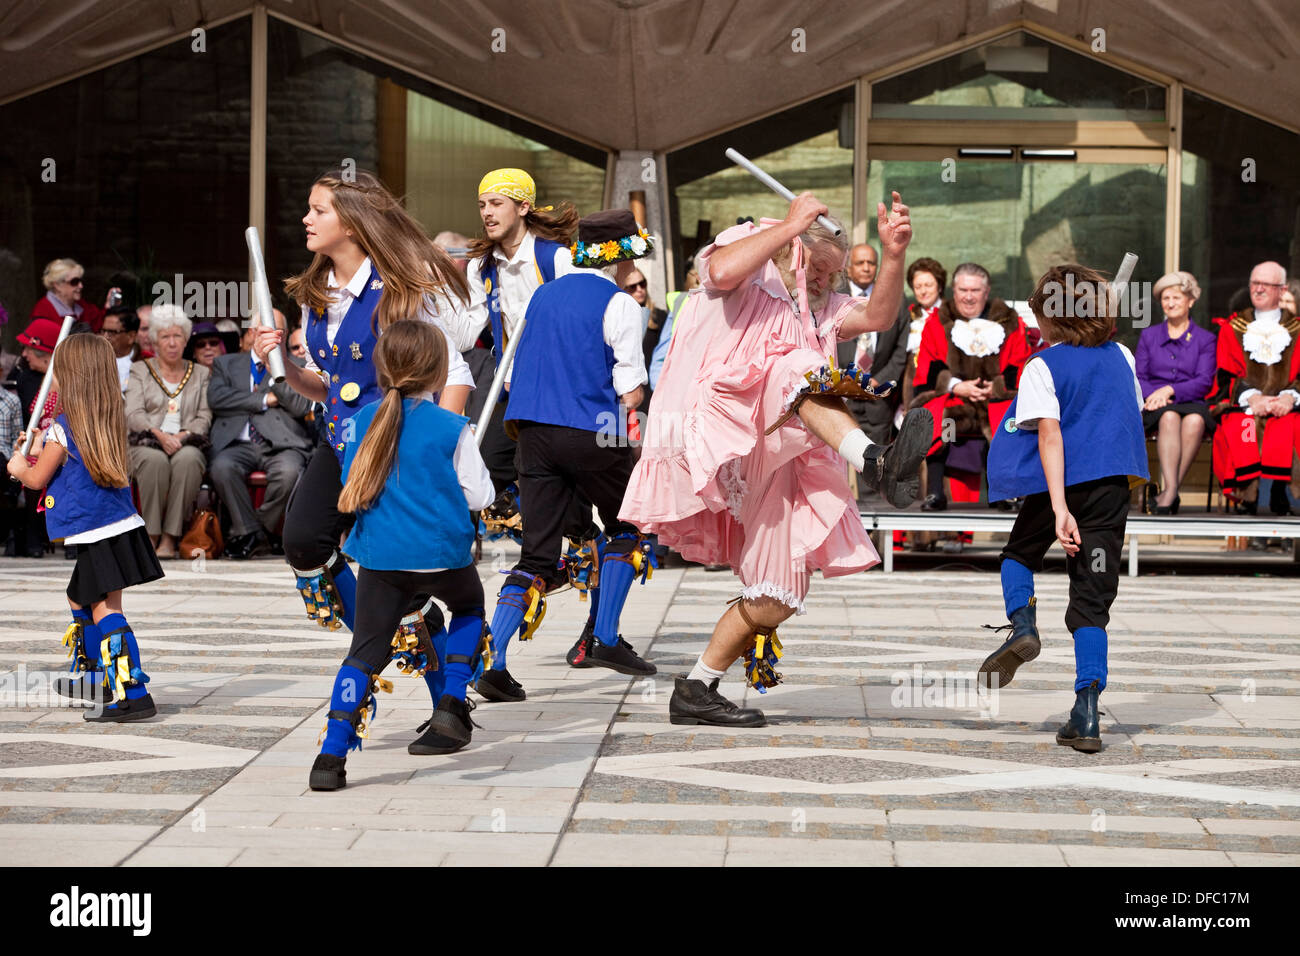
(1010,426)
(350,391)
(49,502)
(356,350)
(334,349)
(376,283)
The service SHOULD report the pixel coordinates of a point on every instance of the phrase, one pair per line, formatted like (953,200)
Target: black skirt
(113,564)
(1151,418)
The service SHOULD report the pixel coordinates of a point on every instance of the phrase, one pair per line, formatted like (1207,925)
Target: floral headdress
(608,237)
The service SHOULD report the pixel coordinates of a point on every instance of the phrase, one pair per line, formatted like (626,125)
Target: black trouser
(313,523)
(383,597)
(556,466)
(498,450)
(1100,509)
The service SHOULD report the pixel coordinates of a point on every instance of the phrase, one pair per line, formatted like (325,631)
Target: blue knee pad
(464,646)
(1017,585)
(120,657)
(1089,657)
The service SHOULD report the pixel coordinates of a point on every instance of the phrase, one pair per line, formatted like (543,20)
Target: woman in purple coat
(1175,367)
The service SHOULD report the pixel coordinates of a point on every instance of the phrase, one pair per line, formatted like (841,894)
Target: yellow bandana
(512,183)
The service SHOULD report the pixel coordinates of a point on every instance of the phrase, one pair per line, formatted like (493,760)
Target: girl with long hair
(412,472)
(374,266)
(81,464)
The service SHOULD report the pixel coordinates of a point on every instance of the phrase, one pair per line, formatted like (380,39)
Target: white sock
(702,671)
(853,448)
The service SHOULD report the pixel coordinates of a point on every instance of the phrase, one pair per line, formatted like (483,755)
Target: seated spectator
(968,367)
(168,418)
(298,343)
(256,426)
(120,326)
(1290,296)
(205,344)
(143,338)
(927,279)
(1175,367)
(884,353)
(24,380)
(13,503)
(232,337)
(1258,391)
(63,280)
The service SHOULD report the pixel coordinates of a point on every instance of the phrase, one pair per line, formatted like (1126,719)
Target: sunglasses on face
(74,281)
(634,286)
(108,331)
(207,344)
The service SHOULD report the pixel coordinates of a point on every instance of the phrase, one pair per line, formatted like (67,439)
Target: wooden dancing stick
(39,407)
(262,296)
(772,184)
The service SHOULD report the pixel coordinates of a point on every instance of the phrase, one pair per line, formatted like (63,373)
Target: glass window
(808,147)
(1018,77)
(327,104)
(141,166)
(1019,218)
(1240,201)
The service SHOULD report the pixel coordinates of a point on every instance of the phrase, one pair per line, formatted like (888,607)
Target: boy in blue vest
(1071,444)
(578,371)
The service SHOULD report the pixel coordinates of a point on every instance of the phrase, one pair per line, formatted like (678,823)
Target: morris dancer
(578,371)
(373,265)
(739,464)
(1071,444)
(412,473)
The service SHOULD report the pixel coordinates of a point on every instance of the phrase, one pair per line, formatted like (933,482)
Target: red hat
(41,334)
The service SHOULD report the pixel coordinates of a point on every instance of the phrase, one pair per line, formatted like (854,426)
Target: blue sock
(113,622)
(616,576)
(1017,585)
(1089,657)
(462,642)
(350,688)
(435,680)
(593,594)
(507,617)
(346,583)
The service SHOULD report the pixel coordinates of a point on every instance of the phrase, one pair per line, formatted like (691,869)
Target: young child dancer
(81,464)
(1070,444)
(412,475)
(373,265)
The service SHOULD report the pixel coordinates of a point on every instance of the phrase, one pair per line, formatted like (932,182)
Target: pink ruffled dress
(710,484)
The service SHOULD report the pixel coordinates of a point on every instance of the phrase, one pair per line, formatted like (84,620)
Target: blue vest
(543,259)
(563,372)
(74,503)
(1101,424)
(348,363)
(420,520)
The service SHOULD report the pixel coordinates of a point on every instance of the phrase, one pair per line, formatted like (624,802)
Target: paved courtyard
(878,750)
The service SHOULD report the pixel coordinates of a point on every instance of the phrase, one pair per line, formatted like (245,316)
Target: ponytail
(375,458)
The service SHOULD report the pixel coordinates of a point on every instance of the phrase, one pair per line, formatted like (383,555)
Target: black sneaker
(893,469)
(694,702)
(328,773)
(580,653)
(499,687)
(620,657)
(124,710)
(448,730)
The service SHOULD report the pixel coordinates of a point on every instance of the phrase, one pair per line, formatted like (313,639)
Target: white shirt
(517,280)
(171,423)
(124,370)
(56,434)
(622,328)
(244,434)
(436,311)
(1271,317)
(1037,395)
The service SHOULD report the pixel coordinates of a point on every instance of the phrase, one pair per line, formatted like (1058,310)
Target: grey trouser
(168,486)
(230,470)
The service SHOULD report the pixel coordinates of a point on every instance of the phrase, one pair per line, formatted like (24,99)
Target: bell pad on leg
(321,596)
(74,639)
(413,651)
(120,670)
(532,601)
(763,655)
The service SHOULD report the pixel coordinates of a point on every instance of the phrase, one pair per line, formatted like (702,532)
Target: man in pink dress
(728,476)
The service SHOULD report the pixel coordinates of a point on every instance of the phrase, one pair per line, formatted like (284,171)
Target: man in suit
(885,353)
(256,426)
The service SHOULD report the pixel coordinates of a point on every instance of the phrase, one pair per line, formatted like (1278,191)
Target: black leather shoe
(124,710)
(277,545)
(893,469)
(580,653)
(695,702)
(935,503)
(246,546)
(327,773)
(620,657)
(1021,647)
(448,730)
(498,686)
(1083,730)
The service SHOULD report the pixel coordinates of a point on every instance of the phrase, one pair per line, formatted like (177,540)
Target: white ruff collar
(978,337)
(1265,341)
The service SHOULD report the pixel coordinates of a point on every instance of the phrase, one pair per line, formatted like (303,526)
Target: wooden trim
(757,117)
(861,201)
(956,133)
(391,131)
(257,128)
(1174,179)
